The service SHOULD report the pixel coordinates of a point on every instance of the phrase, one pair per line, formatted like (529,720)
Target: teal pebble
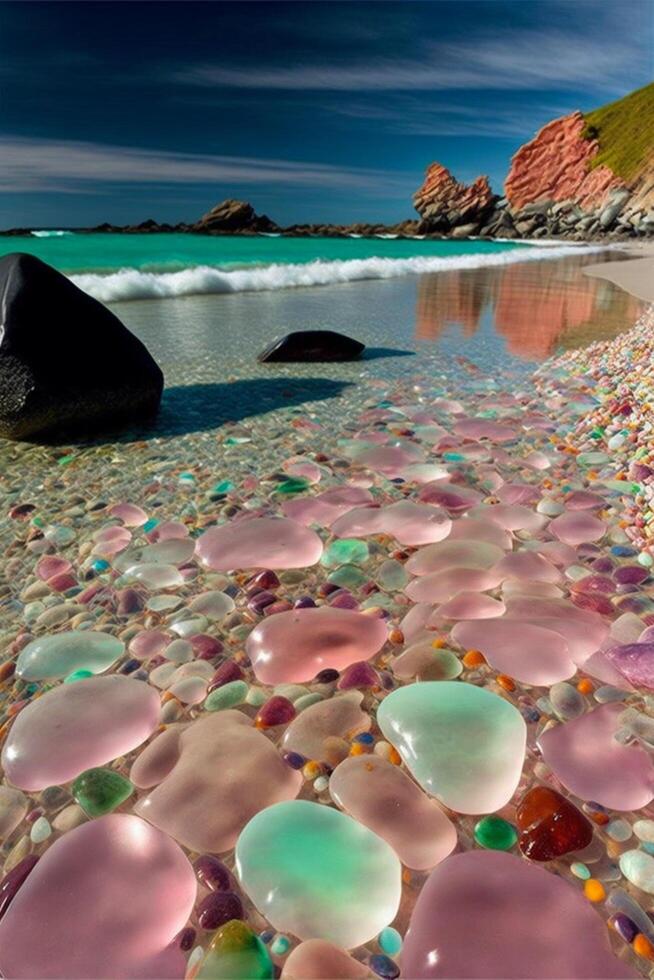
(280,945)
(390,941)
(78,675)
(150,525)
(227,696)
(580,870)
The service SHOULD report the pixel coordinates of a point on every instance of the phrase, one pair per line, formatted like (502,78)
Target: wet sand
(635,275)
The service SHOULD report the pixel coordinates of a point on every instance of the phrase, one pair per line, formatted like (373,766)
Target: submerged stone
(316,959)
(312,345)
(99,791)
(550,826)
(463,744)
(338,717)
(318,874)
(259,542)
(60,654)
(235,953)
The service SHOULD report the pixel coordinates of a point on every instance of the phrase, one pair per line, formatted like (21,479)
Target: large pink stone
(389,460)
(527,565)
(487,914)
(105,900)
(409,522)
(259,542)
(76,727)
(337,717)
(316,959)
(584,631)
(530,654)
(441,586)
(512,517)
(385,799)
(326,507)
(577,527)
(586,756)
(454,497)
(447,554)
(295,645)
(481,428)
(213,776)
(469,605)
(476,529)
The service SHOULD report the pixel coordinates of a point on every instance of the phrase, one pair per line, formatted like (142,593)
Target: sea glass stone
(345,551)
(259,542)
(326,507)
(235,953)
(60,654)
(210,777)
(495,834)
(138,876)
(409,522)
(316,959)
(489,914)
(454,554)
(463,744)
(383,798)
(441,586)
(529,653)
(76,727)
(588,759)
(577,527)
(635,662)
(638,868)
(99,791)
(550,826)
(294,646)
(318,874)
(339,717)
(13,807)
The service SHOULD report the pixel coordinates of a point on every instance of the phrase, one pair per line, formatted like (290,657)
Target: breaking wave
(130,284)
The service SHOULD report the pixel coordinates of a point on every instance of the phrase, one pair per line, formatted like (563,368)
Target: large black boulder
(312,345)
(67,364)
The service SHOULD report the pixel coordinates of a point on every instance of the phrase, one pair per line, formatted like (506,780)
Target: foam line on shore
(131,284)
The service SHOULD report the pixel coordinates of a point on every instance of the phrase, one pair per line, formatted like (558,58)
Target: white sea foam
(50,233)
(129,284)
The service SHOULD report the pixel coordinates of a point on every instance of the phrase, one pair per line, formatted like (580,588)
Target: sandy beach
(636,275)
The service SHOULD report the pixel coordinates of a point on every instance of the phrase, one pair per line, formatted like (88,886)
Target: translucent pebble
(214,605)
(465,553)
(392,575)
(259,542)
(60,654)
(577,527)
(619,830)
(316,959)
(130,514)
(179,652)
(345,551)
(40,831)
(566,701)
(441,586)
(155,576)
(340,716)
(189,627)
(305,843)
(470,605)
(638,868)
(644,830)
(13,807)
(532,654)
(227,696)
(174,551)
(148,643)
(409,522)
(463,744)
(189,690)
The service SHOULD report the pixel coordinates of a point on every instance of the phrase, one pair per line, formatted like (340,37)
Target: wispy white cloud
(33,164)
(513,60)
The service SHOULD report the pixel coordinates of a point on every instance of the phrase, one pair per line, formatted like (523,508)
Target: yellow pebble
(594,890)
(643,947)
(311,769)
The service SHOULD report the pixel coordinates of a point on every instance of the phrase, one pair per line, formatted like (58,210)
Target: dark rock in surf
(67,364)
(312,345)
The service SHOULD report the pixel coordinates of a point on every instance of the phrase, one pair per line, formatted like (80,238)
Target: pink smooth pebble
(475,529)
(259,542)
(107,899)
(453,554)
(76,727)
(454,497)
(441,586)
(528,565)
(409,522)
(469,605)
(512,517)
(296,645)
(326,507)
(485,429)
(489,915)
(577,527)
(587,758)
(531,654)
(130,514)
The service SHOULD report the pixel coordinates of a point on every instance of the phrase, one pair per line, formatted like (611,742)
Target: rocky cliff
(582,176)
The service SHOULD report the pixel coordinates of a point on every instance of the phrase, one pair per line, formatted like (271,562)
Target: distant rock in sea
(67,364)
(446,205)
(233,216)
(312,345)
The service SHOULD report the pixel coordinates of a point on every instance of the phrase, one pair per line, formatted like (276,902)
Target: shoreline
(635,275)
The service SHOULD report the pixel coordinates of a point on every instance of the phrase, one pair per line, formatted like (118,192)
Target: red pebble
(276,711)
(227,672)
(360,674)
(550,825)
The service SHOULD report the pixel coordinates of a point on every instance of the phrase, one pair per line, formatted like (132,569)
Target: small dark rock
(67,364)
(312,345)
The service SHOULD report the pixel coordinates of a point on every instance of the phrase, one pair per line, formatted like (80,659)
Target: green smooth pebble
(236,953)
(227,696)
(495,834)
(345,551)
(296,484)
(99,791)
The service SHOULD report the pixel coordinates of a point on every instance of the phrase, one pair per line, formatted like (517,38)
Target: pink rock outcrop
(442,195)
(556,166)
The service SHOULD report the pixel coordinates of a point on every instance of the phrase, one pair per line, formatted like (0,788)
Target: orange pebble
(406,877)
(585,686)
(396,636)
(439,644)
(358,748)
(394,757)
(311,769)
(594,890)
(473,658)
(643,947)
(507,683)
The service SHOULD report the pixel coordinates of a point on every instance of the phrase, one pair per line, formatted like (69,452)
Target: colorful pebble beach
(360,687)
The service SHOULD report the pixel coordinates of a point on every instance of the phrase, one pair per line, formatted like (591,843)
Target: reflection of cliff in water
(538,307)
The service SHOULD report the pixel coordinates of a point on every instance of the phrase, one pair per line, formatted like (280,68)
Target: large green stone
(99,791)
(495,834)
(345,551)
(236,953)
(61,654)
(317,873)
(464,744)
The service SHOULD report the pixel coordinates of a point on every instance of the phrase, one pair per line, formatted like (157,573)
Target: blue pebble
(384,966)
(623,551)
(150,525)
(100,565)
(267,936)
(365,738)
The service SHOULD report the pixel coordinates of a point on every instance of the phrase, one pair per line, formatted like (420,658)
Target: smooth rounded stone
(566,701)
(463,744)
(510,517)
(214,605)
(469,605)
(638,868)
(316,959)
(383,798)
(99,791)
(390,460)
(530,654)
(408,522)
(583,630)
(586,757)
(441,586)
(644,830)
(489,914)
(155,576)
(312,345)
(326,507)
(13,807)
(456,498)
(339,717)
(130,514)
(189,690)
(162,675)
(76,727)
(392,575)
(148,643)
(481,530)
(527,565)
(259,542)
(179,652)
(300,466)
(40,831)
(414,624)
(111,541)
(138,876)
(56,656)
(577,527)
(175,551)
(234,953)
(584,500)
(453,554)
(51,565)
(422,473)
(495,834)
(294,646)
(481,428)
(550,825)
(414,660)
(634,662)
(211,777)
(295,858)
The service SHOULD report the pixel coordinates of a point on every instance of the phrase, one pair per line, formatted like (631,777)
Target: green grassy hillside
(625,130)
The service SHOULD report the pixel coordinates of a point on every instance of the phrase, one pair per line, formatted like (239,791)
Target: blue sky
(312,111)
